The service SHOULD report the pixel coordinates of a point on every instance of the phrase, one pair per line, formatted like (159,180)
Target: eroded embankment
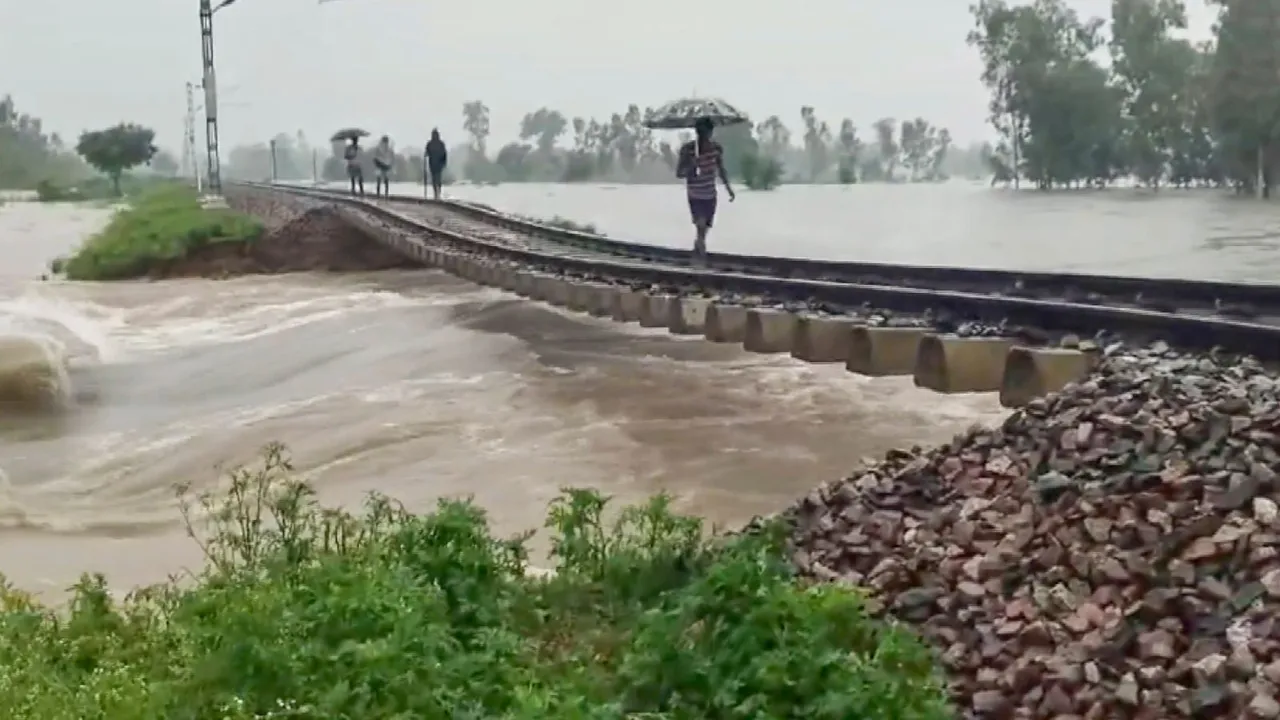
(300,236)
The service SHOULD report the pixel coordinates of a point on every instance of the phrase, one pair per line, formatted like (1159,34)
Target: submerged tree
(850,150)
(1163,111)
(553,147)
(1244,94)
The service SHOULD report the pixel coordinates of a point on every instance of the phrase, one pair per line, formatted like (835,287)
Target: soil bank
(300,236)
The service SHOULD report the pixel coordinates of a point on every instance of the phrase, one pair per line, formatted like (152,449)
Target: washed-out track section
(950,341)
(1242,301)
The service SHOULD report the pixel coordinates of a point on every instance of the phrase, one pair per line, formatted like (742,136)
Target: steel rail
(1052,316)
(1249,301)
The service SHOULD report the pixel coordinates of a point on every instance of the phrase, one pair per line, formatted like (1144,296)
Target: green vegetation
(1076,102)
(761,173)
(162,224)
(307,612)
(31,159)
(29,155)
(620,149)
(1164,111)
(116,149)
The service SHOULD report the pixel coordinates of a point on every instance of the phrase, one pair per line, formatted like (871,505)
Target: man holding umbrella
(354,172)
(701,161)
(351,154)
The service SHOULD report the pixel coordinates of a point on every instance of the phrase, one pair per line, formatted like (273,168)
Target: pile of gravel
(1111,551)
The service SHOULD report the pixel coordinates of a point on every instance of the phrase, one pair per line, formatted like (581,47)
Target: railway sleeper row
(942,362)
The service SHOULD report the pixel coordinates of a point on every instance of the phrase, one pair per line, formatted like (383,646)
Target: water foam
(40,338)
(83,329)
(187,324)
(33,373)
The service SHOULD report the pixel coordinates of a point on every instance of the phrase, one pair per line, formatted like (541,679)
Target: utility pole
(210,84)
(190,165)
(185,172)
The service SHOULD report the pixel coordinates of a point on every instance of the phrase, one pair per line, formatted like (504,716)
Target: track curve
(1243,301)
(977,297)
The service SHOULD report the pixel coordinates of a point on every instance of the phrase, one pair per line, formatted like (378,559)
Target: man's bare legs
(701,228)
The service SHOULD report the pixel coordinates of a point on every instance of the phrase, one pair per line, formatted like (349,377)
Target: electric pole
(190,165)
(185,172)
(210,84)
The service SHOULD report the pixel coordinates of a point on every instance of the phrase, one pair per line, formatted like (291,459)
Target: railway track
(1241,301)
(416,227)
(449,218)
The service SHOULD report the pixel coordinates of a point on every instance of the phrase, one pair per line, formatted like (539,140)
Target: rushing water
(420,385)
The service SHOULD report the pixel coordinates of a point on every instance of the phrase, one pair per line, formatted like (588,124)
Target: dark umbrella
(682,114)
(350,133)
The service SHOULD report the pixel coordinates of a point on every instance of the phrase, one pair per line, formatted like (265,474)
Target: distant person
(434,158)
(354,172)
(383,158)
(701,160)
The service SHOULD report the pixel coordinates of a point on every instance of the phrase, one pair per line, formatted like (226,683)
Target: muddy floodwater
(420,385)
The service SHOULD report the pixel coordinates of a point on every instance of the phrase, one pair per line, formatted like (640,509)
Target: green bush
(164,223)
(760,172)
(846,173)
(48,191)
(306,612)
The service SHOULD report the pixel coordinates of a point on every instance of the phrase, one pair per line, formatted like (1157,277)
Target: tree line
(31,159)
(29,155)
(1074,101)
(1086,101)
(554,147)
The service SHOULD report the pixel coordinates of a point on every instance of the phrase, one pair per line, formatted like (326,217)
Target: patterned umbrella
(683,113)
(349,134)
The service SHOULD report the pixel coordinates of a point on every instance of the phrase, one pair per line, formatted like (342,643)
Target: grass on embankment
(304,612)
(163,224)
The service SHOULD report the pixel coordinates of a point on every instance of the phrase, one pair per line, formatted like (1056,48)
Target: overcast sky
(403,66)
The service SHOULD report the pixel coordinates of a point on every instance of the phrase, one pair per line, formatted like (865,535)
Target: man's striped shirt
(703,185)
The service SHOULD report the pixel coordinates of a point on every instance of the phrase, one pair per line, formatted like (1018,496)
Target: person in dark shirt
(701,162)
(354,171)
(435,157)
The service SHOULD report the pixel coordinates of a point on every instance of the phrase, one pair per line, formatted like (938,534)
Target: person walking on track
(434,159)
(701,162)
(383,159)
(354,172)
